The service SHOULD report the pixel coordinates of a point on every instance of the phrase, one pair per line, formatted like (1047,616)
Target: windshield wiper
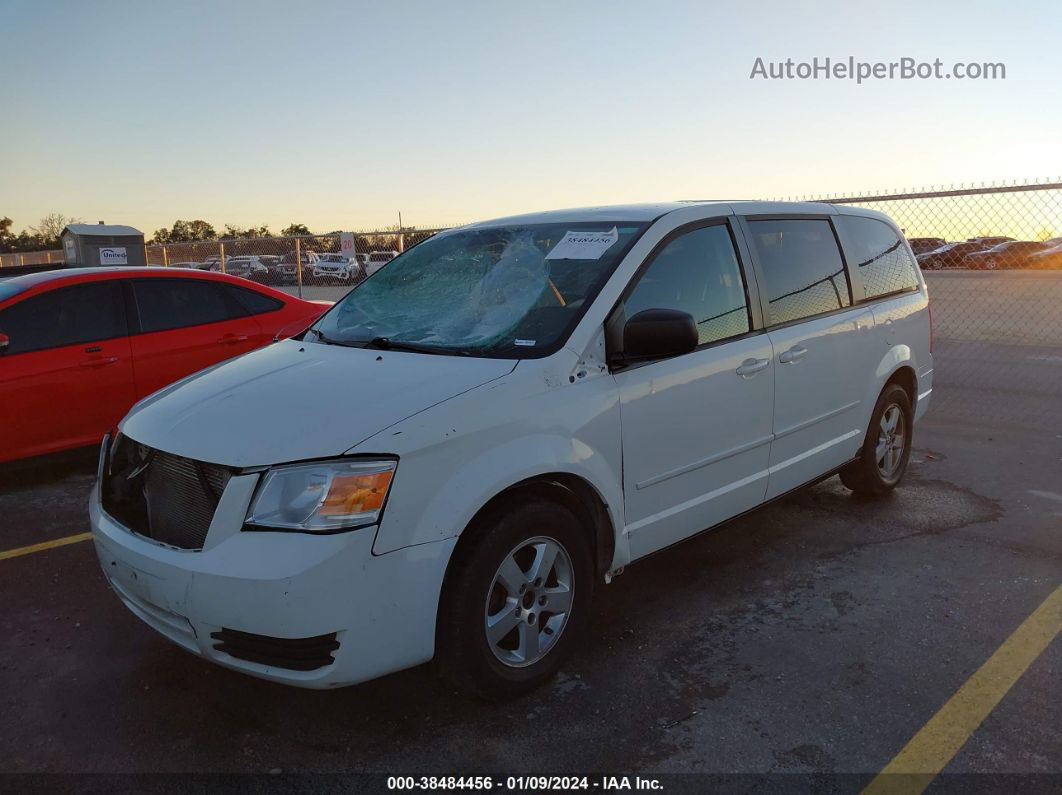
(330,341)
(388,344)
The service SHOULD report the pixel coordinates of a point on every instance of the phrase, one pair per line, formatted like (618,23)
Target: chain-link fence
(15,260)
(313,266)
(992,256)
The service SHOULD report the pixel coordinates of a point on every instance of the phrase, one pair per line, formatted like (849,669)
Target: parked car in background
(920,245)
(288,267)
(540,401)
(79,346)
(211,262)
(192,265)
(1012,254)
(990,241)
(1049,258)
(245,266)
(377,259)
(337,267)
(272,275)
(952,255)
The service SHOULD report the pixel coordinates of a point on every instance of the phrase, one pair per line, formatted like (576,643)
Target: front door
(697,427)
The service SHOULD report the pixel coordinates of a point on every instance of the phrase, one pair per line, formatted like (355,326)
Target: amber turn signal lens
(353,494)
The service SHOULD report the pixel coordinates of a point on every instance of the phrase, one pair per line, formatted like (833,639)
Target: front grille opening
(294,654)
(164,497)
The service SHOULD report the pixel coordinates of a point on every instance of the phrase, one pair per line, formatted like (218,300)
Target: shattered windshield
(514,291)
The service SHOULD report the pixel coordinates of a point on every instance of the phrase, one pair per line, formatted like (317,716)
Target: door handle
(793,355)
(99,361)
(750,367)
(232,339)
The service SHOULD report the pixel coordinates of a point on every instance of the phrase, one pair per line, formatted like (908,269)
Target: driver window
(697,273)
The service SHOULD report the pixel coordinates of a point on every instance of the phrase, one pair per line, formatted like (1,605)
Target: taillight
(929,308)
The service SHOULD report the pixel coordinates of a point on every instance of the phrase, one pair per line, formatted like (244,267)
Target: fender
(485,443)
(896,357)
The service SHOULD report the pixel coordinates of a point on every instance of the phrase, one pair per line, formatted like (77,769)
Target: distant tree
(192,230)
(26,241)
(6,237)
(185,231)
(50,227)
(232,231)
(291,230)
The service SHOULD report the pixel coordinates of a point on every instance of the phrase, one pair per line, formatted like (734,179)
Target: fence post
(221,250)
(298,264)
(48,257)
(165,258)
(146,261)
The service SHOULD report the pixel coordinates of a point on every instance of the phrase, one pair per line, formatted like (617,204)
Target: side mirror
(657,333)
(4,342)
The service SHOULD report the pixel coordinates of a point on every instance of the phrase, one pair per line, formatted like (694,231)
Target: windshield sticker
(584,245)
(524,343)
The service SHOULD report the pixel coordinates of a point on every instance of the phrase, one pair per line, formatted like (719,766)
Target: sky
(340,115)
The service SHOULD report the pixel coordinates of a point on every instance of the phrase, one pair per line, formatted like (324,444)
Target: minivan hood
(293,401)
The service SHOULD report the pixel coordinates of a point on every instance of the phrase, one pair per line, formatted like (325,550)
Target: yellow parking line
(58,542)
(936,744)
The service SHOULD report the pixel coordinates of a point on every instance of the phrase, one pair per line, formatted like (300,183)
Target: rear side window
(696,273)
(884,262)
(254,302)
(67,316)
(164,304)
(803,267)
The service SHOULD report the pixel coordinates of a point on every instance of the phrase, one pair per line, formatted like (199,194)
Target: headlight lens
(322,496)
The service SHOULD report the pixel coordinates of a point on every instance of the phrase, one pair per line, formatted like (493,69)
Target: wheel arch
(573,492)
(905,377)
(897,366)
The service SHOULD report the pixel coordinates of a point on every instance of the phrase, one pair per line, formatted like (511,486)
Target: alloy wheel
(891,439)
(529,601)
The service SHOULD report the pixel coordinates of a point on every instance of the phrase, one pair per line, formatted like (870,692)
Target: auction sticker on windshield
(582,244)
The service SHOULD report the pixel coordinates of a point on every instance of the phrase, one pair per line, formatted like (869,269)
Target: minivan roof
(651,211)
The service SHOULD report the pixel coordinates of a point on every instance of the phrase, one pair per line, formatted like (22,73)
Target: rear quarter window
(254,302)
(878,254)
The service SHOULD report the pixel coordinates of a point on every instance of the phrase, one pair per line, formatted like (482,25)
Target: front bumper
(382,608)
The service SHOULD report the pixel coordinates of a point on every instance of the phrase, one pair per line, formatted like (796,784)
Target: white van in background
(542,400)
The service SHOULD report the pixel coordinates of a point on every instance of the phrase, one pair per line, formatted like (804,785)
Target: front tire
(886,449)
(516,600)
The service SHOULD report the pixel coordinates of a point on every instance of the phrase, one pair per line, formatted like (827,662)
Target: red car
(78,347)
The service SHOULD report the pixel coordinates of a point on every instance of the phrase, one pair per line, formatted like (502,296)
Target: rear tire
(886,449)
(508,617)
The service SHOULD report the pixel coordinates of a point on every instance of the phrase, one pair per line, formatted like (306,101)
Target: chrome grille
(165,497)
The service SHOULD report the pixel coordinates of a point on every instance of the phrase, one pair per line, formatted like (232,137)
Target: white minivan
(541,400)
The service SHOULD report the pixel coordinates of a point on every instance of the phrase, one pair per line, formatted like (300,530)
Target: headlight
(322,496)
